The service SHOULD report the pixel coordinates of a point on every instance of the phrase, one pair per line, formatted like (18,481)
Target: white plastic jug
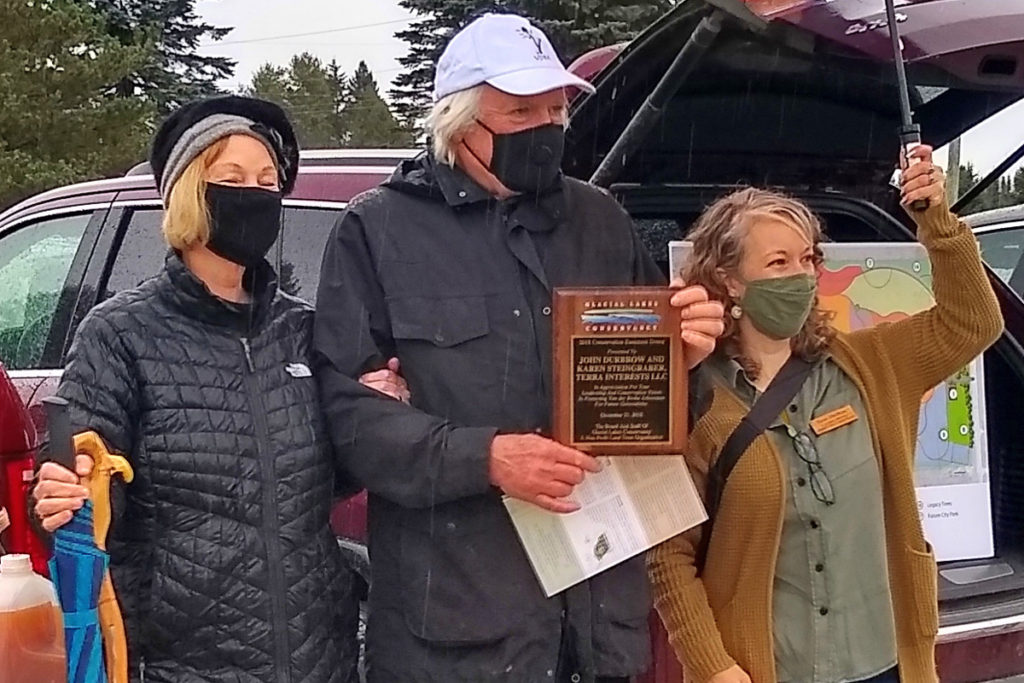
(31,629)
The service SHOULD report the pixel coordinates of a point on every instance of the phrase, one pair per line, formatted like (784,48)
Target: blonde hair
(186,219)
(452,116)
(718,241)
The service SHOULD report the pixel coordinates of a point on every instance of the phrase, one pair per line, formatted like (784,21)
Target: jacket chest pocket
(443,322)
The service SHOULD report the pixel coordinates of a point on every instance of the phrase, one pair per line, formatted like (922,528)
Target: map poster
(866,284)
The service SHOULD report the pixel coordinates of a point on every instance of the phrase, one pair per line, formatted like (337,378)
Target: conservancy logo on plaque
(613,316)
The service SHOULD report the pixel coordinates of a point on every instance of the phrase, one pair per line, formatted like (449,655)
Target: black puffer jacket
(221,553)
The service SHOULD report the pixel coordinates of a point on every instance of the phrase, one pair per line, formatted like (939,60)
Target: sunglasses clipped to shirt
(807,450)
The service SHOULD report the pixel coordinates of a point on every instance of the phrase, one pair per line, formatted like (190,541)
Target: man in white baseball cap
(446,272)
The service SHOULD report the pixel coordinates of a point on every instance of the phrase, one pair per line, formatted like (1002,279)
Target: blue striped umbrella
(77,567)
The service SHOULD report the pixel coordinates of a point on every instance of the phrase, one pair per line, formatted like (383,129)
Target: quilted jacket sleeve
(100,385)
(100,388)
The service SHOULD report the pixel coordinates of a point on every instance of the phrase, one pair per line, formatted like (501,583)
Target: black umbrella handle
(910,139)
(61,449)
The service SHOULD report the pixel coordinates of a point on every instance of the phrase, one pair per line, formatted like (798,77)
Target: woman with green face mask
(815,569)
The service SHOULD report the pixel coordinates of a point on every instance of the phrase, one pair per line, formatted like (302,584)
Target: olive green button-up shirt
(832,608)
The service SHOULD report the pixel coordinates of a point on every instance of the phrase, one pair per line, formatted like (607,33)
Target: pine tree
(311,93)
(1006,191)
(340,96)
(327,108)
(368,119)
(59,120)
(574,27)
(1018,186)
(176,72)
(270,83)
(312,101)
(968,177)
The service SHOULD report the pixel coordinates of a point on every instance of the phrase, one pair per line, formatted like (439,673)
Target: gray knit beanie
(203,134)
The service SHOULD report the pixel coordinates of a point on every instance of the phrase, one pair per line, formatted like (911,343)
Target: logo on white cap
(506,52)
(538,42)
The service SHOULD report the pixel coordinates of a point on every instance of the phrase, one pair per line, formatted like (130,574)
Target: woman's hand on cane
(58,492)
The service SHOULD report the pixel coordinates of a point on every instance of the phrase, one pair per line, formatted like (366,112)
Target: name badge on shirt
(834,419)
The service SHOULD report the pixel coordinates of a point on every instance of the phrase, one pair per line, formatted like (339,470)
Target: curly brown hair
(718,238)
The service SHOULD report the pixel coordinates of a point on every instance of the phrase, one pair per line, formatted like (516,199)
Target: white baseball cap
(505,51)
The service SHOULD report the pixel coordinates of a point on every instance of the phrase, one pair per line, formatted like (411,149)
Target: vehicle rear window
(34,264)
(1002,250)
(141,254)
(300,249)
(296,255)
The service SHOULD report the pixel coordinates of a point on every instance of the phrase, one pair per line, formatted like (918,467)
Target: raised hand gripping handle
(910,139)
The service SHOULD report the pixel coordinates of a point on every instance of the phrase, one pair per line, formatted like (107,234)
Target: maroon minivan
(799,96)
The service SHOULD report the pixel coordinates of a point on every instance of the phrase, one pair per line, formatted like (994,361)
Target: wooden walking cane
(105,466)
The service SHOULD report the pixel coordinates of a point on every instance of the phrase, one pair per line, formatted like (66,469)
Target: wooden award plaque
(620,384)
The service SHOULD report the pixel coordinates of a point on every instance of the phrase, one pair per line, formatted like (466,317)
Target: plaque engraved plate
(620,384)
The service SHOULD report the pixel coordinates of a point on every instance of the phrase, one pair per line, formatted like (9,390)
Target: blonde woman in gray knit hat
(220,550)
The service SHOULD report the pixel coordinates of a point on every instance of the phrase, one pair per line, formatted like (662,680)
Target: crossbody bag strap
(771,403)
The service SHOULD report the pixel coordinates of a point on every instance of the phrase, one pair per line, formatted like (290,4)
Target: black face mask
(527,161)
(244,222)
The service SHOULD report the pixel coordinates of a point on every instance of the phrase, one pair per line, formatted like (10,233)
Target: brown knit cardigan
(724,617)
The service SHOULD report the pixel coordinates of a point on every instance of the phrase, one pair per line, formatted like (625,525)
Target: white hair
(452,116)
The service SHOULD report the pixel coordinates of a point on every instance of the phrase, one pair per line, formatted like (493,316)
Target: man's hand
(703,321)
(539,470)
(922,179)
(58,493)
(388,381)
(733,674)
(5,519)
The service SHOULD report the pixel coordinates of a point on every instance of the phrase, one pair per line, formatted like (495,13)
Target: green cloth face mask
(779,306)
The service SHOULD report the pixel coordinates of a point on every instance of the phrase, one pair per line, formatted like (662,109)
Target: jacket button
(823,611)
(516,312)
(819,567)
(439,337)
(546,310)
(801,481)
(814,524)
(792,408)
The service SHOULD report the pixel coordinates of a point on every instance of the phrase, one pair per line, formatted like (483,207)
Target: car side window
(1002,250)
(300,249)
(34,263)
(296,255)
(141,253)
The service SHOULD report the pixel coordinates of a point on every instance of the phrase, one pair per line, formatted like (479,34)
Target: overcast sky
(275,30)
(353,30)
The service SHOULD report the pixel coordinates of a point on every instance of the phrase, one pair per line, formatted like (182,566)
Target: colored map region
(865,286)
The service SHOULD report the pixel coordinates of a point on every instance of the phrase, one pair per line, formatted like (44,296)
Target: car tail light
(18,443)
(15,479)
